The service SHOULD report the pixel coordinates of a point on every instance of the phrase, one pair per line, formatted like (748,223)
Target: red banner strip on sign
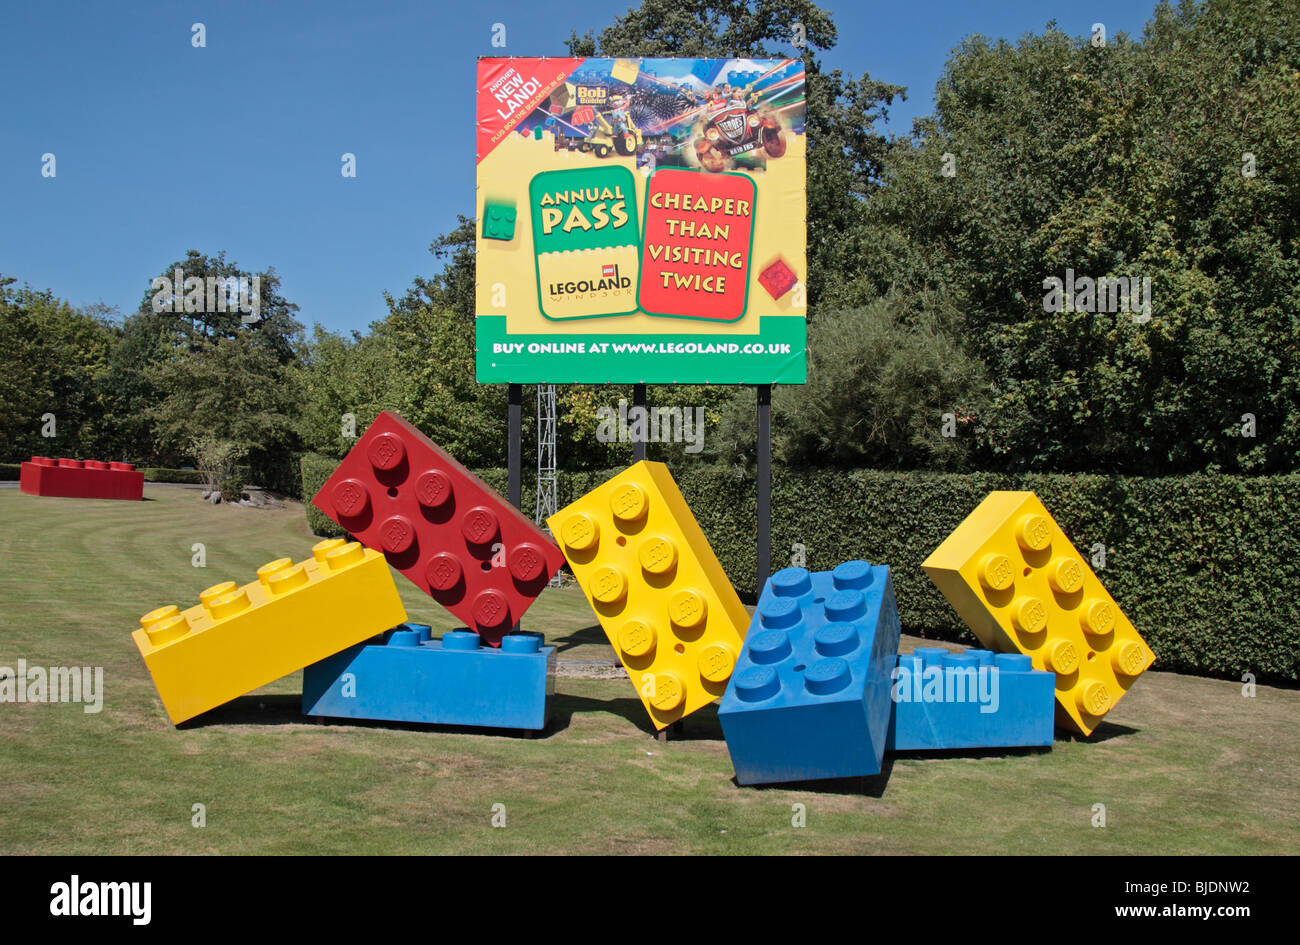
(509,90)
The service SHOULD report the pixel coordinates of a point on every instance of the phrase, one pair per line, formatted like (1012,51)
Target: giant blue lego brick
(971,699)
(404,676)
(809,698)
(706,70)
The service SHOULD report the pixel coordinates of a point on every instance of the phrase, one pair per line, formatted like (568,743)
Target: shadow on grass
(943,754)
(581,637)
(701,725)
(287,710)
(866,786)
(1104,732)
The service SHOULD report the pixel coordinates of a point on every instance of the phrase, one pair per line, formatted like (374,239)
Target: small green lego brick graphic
(499,221)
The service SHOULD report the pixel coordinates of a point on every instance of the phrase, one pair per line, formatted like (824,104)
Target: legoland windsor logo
(609,280)
(75,898)
(84,684)
(192,295)
(934,683)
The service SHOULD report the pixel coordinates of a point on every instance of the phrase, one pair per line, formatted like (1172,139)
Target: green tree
(227,375)
(344,377)
(1127,160)
(888,387)
(53,358)
(846,153)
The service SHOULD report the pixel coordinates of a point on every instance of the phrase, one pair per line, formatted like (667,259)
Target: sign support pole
(638,401)
(514,451)
(764,485)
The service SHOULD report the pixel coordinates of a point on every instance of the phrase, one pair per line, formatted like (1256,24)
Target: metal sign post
(764,486)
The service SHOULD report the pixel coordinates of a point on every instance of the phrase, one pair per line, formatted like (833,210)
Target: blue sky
(162,147)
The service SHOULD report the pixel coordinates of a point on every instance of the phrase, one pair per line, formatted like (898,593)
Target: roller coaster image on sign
(641,221)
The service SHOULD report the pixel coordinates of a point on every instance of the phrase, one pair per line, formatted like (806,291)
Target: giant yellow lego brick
(238,639)
(1016,580)
(657,588)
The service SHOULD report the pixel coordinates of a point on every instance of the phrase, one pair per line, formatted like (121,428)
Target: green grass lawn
(1183,765)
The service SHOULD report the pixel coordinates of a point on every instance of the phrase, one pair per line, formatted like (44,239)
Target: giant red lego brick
(401,494)
(81,479)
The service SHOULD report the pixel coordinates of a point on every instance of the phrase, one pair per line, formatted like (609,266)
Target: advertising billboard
(640,221)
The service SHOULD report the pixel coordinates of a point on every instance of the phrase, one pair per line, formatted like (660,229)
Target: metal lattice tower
(546,469)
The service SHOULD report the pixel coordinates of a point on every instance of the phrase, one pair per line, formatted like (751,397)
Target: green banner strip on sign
(774,356)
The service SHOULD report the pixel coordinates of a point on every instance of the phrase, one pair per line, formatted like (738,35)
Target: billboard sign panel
(641,221)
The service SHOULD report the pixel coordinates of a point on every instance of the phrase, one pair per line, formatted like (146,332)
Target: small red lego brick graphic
(777,278)
(81,479)
(401,494)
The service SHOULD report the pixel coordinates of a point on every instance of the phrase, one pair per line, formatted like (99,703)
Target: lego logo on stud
(757,683)
(491,608)
(266,571)
(396,534)
(658,555)
(1028,614)
(479,525)
(1065,575)
(345,556)
(687,609)
(1098,617)
(825,677)
(206,597)
(996,573)
(580,531)
(608,584)
(836,639)
(322,548)
(779,612)
(851,575)
(227,605)
(716,663)
(386,451)
(526,562)
(636,638)
(769,646)
(158,615)
(432,488)
(165,631)
(791,582)
(1061,657)
(668,692)
(443,571)
(1033,533)
(350,498)
(1094,698)
(287,579)
(628,503)
(845,605)
(1129,659)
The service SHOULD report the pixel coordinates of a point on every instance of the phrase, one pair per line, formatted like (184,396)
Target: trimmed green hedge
(156,474)
(10,472)
(315,470)
(1206,566)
